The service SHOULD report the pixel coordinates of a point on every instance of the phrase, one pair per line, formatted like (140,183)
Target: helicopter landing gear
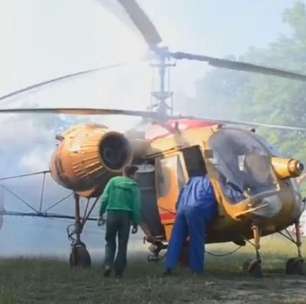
(79,256)
(154,256)
(253,266)
(155,248)
(295,265)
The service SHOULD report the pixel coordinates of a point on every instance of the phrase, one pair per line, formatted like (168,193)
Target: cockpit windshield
(244,163)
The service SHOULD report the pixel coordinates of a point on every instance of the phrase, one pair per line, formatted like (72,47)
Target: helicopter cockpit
(243,163)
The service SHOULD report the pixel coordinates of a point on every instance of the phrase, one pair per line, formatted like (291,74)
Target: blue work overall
(197,208)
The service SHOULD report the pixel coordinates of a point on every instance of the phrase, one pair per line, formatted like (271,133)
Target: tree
(261,98)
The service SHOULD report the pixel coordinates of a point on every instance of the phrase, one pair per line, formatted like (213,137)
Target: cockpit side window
(243,162)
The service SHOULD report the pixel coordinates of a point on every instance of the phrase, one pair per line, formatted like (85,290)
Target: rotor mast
(164,95)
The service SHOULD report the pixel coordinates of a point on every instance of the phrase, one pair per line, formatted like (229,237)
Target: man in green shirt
(121,201)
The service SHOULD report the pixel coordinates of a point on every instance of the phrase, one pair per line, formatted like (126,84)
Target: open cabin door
(149,210)
(170,178)
(160,184)
(172,173)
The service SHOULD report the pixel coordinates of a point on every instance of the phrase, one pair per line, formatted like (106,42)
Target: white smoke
(45,39)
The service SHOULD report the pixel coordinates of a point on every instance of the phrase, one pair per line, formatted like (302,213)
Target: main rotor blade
(244,123)
(238,65)
(147,114)
(80,111)
(142,22)
(57,79)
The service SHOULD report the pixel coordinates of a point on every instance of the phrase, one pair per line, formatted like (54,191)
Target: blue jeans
(193,222)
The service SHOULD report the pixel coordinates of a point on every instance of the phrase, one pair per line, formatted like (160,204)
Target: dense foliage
(253,97)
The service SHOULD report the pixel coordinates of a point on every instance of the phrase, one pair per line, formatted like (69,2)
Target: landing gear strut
(79,256)
(155,248)
(253,266)
(295,265)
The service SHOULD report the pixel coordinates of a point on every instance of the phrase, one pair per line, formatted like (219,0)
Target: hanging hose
(224,254)
(210,253)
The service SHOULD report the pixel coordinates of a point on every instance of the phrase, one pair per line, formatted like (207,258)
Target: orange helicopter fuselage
(87,156)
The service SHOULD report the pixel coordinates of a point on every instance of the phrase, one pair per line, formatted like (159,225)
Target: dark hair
(129,170)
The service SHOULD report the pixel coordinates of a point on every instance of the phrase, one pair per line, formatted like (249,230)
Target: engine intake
(114,150)
(87,156)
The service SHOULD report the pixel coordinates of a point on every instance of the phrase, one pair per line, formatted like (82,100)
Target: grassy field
(50,281)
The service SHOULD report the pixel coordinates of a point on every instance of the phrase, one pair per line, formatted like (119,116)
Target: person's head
(130,171)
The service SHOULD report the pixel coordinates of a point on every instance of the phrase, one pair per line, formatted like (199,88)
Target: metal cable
(59,201)
(224,254)
(24,175)
(19,198)
(210,253)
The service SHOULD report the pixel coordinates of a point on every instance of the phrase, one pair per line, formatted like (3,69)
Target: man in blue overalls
(197,208)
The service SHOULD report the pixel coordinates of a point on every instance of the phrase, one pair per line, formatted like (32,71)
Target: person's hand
(134,229)
(101,221)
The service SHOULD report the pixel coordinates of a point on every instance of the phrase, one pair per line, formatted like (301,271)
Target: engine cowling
(87,156)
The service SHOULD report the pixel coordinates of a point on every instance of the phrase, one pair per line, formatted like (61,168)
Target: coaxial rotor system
(136,16)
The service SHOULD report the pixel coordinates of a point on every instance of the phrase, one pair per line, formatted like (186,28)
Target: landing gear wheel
(154,257)
(295,266)
(79,256)
(253,267)
(155,249)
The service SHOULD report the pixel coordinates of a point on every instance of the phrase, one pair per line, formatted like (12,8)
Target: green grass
(50,281)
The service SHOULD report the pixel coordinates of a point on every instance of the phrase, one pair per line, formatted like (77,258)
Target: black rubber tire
(295,266)
(79,256)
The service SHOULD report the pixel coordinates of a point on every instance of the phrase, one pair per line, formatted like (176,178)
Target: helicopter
(255,187)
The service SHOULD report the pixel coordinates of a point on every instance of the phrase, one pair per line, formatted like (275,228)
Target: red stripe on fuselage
(167,217)
(156,131)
